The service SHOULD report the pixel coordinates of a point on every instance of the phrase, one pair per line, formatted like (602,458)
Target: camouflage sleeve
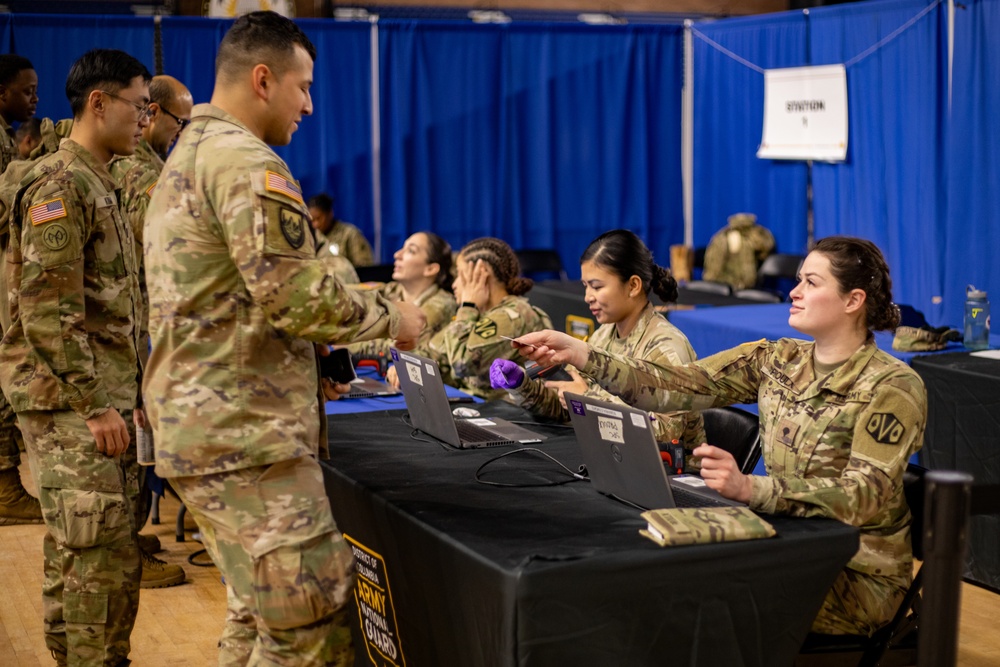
(728,377)
(359,251)
(473,340)
(51,303)
(264,220)
(888,430)
(538,399)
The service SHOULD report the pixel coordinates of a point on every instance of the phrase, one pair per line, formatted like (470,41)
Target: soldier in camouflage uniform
(839,420)
(421,276)
(18,98)
(734,253)
(70,362)
(489,288)
(340,238)
(238,302)
(170,110)
(618,273)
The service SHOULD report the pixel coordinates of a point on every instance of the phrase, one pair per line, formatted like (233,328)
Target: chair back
(778,272)
(710,286)
(736,431)
(379,273)
(536,263)
(759,295)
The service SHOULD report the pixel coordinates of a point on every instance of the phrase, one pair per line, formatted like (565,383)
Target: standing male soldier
(18,97)
(238,299)
(169,111)
(69,363)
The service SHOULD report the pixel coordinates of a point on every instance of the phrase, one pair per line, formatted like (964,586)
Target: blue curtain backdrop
(5,33)
(891,188)
(542,135)
(189,47)
(972,236)
(331,151)
(728,119)
(53,42)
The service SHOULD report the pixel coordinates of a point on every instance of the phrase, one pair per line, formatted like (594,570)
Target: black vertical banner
(376,614)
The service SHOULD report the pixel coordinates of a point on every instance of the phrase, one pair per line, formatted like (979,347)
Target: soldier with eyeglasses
(69,362)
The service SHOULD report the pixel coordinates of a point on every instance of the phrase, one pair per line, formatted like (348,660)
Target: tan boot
(150,544)
(17,506)
(159,574)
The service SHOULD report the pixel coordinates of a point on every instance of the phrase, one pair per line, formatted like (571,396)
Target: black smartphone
(337,366)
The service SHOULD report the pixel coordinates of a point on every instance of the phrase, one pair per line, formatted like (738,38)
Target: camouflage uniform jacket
(136,175)
(74,295)
(468,345)
(653,339)
(437,304)
(8,147)
(835,446)
(348,241)
(734,253)
(237,300)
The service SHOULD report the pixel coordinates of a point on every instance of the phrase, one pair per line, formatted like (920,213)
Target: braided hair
(624,254)
(859,264)
(499,256)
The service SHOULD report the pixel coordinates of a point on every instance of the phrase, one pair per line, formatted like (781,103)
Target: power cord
(405,418)
(574,476)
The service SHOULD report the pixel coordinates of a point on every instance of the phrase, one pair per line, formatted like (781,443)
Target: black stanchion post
(946,519)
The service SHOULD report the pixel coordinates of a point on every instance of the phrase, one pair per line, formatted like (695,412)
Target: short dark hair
(11,65)
(323,202)
(160,91)
(31,127)
(104,69)
(624,254)
(260,38)
(858,264)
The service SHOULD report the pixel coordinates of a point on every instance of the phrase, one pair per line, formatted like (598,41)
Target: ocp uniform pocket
(83,519)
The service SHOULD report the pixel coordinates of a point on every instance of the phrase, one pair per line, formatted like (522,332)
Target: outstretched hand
(577,385)
(552,347)
(505,374)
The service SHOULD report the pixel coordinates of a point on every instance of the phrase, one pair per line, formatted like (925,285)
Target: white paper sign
(611,430)
(805,114)
(413,370)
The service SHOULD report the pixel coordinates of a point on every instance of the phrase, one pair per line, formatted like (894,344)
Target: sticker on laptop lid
(430,369)
(394,353)
(482,421)
(638,420)
(578,407)
(406,357)
(601,410)
(610,429)
(413,371)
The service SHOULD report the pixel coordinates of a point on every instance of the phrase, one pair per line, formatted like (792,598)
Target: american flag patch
(46,211)
(149,190)
(277,183)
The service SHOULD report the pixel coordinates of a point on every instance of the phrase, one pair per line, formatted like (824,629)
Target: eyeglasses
(143,109)
(183,122)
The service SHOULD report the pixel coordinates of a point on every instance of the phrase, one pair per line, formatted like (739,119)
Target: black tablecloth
(482,575)
(963,433)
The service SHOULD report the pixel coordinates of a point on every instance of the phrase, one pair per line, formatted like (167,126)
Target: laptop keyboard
(470,433)
(684,498)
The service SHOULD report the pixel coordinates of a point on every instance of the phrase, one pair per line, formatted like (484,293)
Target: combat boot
(17,506)
(159,574)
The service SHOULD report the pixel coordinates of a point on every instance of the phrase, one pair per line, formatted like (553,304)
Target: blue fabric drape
(190,45)
(891,189)
(5,33)
(728,120)
(544,136)
(331,151)
(53,42)
(971,236)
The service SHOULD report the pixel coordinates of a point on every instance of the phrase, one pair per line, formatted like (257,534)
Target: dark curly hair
(439,252)
(501,259)
(624,254)
(859,264)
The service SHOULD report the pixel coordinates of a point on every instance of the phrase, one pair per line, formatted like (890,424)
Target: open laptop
(365,387)
(623,459)
(430,411)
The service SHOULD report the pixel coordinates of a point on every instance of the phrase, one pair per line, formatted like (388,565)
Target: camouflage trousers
(288,571)
(90,592)
(860,604)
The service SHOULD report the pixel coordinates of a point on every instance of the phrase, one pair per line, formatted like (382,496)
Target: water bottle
(144,447)
(977,319)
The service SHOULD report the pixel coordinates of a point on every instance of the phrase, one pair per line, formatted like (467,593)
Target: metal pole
(946,519)
(687,136)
